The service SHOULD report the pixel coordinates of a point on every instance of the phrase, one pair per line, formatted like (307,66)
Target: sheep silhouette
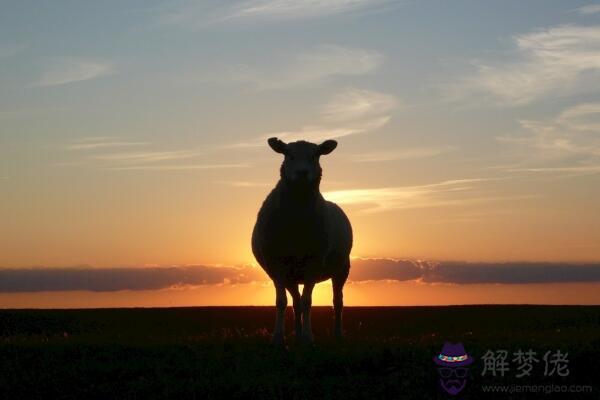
(300,238)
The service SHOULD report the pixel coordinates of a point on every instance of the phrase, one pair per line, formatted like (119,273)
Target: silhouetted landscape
(215,352)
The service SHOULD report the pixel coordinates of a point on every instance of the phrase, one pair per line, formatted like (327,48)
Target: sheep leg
(293,289)
(338,306)
(281,303)
(306,305)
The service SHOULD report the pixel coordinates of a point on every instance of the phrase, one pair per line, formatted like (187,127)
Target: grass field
(216,352)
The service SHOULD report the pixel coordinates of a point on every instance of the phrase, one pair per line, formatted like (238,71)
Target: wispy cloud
(588,10)
(402,154)
(324,62)
(316,134)
(566,143)
(551,62)
(101,142)
(71,70)
(117,155)
(353,104)
(373,111)
(193,15)
(184,167)
(573,171)
(245,184)
(316,65)
(100,145)
(105,152)
(441,194)
(291,9)
(146,156)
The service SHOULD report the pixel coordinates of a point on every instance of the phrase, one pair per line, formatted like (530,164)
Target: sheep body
(299,243)
(300,238)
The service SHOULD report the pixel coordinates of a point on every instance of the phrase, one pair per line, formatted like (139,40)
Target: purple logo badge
(452,365)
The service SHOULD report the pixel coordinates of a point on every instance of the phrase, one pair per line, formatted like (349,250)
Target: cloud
(511,272)
(71,70)
(145,156)
(324,62)
(184,167)
(308,133)
(100,142)
(45,279)
(315,133)
(292,9)
(582,169)
(246,184)
(377,269)
(126,157)
(553,62)
(374,111)
(114,279)
(567,142)
(149,160)
(318,134)
(318,64)
(352,104)
(588,10)
(459,272)
(403,154)
(194,15)
(442,194)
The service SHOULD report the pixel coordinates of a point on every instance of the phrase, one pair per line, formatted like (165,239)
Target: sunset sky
(133,142)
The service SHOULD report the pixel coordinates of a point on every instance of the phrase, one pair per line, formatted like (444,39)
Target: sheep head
(301,168)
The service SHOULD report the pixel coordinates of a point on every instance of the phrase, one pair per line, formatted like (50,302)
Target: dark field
(203,353)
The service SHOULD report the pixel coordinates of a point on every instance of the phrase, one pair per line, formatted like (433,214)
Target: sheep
(300,238)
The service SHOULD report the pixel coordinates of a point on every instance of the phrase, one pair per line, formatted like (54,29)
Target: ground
(224,352)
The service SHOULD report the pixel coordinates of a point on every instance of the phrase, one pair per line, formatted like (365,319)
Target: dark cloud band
(475,272)
(114,279)
(512,272)
(13,280)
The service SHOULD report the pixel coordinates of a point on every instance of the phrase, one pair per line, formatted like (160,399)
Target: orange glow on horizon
(356,294)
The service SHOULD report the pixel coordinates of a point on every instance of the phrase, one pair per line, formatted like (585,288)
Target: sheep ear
(277,145)
(327,147)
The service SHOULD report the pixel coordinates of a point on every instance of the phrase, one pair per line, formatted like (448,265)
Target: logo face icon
(452,365)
